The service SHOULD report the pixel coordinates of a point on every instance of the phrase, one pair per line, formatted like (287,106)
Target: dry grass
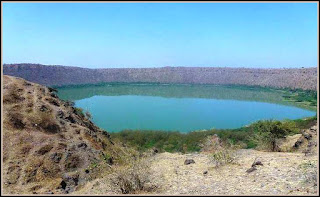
(45,121)
(223,157)
(12,96)
(133,178)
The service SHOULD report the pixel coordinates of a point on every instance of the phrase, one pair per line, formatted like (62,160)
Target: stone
(251,169)
(60,114)
(56,157)
(189,161)
(257,163)
(306,135)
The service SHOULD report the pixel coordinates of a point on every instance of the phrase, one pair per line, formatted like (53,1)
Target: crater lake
(180,107)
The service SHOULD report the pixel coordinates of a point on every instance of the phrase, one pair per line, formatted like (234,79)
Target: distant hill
(300,78)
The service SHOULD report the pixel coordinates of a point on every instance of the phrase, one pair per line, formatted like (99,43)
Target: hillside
(304,78)
(48,146)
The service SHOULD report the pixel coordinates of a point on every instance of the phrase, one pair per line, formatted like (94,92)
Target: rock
(306,135)
(298,143)
(313,128)
(82,145)
(53,95)
(60,114)
(70,118)
(43,108)
(56,157)
(251,169)
(155,150)
(189,161)
(257,163)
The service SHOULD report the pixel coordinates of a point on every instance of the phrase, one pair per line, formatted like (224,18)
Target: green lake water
(184,108)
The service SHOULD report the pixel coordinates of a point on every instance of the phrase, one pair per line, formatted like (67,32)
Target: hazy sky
(100,35)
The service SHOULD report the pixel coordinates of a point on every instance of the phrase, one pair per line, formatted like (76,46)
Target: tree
(269,131)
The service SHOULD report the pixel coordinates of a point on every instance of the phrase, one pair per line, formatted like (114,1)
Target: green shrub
(268,131)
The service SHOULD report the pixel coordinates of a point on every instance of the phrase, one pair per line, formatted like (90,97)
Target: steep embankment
(49,147)
(305,78)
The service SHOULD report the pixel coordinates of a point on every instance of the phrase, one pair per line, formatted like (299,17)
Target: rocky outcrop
(305,142)
(304,78)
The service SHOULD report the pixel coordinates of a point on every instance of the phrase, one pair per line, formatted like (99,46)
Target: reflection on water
(115,107)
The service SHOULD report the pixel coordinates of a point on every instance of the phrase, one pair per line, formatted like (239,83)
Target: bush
(223,157)
(268,131)
(134,178)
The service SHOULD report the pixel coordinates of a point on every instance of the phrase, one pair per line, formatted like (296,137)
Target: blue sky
(101,35)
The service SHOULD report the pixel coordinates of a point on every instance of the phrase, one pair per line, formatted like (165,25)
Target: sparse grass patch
(48,124)
(45,121)
(310,172)
(16,120)
(223,157)
(12,96)
(133,178)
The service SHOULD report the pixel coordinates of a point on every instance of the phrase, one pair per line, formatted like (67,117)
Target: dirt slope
(282,173)
(47,146)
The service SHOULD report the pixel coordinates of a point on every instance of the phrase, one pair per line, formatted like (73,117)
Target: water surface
(185,108)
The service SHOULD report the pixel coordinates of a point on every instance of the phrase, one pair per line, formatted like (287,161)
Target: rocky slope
(304,78)
(49,147)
